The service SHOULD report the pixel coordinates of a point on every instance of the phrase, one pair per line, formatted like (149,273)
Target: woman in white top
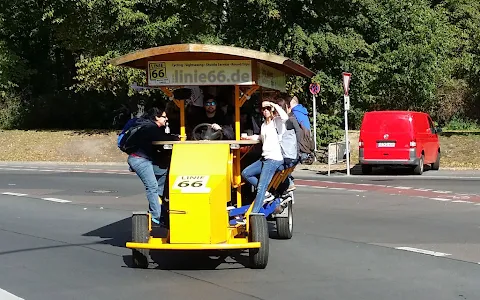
(270,135)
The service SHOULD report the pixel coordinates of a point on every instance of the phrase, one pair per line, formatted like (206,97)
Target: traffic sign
(314,88)
(346,82)
(346,102)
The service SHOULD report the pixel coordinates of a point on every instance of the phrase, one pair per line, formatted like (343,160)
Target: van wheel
(418,170)
(366,169)
(436,164)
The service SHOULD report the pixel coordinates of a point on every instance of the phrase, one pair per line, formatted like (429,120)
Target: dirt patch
(64,146)
(459,151)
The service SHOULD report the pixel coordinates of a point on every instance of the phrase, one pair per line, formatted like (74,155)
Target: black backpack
(307,145)
(127,142)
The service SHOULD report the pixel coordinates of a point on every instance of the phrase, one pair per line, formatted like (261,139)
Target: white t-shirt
(270,138)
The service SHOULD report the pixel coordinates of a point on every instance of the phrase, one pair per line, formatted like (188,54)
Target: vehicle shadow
(119,233)
(115,234)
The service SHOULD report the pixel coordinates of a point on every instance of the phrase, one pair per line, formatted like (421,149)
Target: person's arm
(159,134)
(255,137)
(283,115)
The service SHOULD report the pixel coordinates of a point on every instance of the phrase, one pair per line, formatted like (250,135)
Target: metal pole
(315,122)
(346,142)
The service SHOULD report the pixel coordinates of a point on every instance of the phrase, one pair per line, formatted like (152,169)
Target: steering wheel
(204,131)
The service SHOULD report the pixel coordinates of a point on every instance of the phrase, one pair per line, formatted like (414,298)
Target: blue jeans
(289,180)
(266,169)
(153,178)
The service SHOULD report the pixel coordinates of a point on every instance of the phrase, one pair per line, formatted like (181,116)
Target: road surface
(63,233)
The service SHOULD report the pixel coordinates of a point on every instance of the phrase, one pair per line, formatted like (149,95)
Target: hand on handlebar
(216,126)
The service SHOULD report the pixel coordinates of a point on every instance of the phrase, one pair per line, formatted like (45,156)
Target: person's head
(210,104)
(157,115)
(288,103)
(268,110)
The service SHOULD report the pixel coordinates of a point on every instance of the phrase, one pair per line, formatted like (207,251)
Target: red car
(406,138)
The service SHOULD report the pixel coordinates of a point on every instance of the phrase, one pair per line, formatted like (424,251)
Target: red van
(405,138)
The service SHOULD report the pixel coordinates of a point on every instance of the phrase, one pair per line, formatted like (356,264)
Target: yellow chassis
(233,242)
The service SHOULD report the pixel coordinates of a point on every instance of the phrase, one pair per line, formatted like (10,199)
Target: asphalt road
(63,234)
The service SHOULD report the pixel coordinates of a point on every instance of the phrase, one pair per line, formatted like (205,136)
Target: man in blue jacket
(300,112)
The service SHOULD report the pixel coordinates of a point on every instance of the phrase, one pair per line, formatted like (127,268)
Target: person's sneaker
(268,197)
(156,221)
(287,196)
(291,188)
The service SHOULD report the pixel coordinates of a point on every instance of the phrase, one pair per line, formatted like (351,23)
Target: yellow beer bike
(205,175)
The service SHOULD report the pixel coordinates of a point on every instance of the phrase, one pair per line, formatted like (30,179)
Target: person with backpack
(144,159)
(300,112)
(306,143)
(290,144)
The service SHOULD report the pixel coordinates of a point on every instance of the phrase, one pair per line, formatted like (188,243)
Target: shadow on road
(115,234)
(119,233)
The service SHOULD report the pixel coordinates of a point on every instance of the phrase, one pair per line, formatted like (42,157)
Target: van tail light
(360,144)
(413,144)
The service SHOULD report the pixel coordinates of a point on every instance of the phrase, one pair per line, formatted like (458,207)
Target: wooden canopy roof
(139,59)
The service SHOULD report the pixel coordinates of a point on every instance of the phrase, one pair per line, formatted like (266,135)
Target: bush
(458,123)
(12,111)
(328,129)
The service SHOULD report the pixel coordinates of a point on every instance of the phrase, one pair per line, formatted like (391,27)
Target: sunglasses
(210,103)
(266,108)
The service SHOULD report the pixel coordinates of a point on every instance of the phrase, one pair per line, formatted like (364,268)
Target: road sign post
(314,89)
(346,104)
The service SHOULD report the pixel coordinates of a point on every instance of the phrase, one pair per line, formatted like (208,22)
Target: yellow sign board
(200,72)
(271,78)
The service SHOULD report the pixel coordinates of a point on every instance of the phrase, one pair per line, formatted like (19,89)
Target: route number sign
(191,184)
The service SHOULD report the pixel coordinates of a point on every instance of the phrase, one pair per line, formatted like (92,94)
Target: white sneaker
(268,197)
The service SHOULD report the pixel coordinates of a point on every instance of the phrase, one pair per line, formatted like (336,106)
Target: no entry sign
(314,88)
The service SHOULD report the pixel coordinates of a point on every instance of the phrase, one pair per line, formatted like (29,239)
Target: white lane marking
(317,187)
(462,201)
(56,200)
(4,295)
(440,199)
(14,194)
(12,184)
(442,192)
(423,251)
(366,184)
(337,188)
(11,169)
(357,191)
(403,187)
(423,190)
(46,170)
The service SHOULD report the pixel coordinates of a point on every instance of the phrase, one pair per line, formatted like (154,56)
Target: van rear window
(386,123)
